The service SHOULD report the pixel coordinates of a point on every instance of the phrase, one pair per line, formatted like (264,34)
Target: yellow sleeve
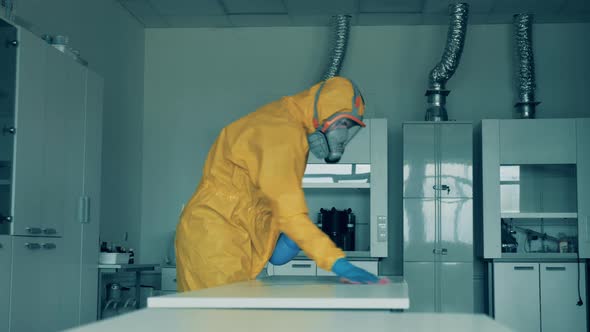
(315,243)
(280,167)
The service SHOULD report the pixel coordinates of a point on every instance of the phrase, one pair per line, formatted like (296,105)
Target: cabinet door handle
(33,230)
(8,130)
(435,251)
(1,246)
(522,268)
(555,268)
(50,231)
(443,187)
(33,246)
(49,246)
(301,266)
(174,280)
(444,251)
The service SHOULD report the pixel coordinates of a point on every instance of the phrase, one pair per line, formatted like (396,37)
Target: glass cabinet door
(7,125)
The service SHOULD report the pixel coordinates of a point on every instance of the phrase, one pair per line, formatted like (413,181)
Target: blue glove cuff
(341,266)
(285,250)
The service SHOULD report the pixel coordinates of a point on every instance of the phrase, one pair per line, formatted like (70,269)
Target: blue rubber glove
(344,269)
(285,250)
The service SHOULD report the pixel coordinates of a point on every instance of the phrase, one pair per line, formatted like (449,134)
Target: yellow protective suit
(251,190)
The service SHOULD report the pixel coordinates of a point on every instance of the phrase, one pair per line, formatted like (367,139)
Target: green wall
(199,80)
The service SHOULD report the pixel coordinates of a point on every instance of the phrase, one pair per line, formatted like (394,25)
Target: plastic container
(113,258)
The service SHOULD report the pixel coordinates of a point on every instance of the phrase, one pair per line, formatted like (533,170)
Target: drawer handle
(49,231)
(33,230)
(443,187)
(522,268)
(555,268)
(33,246)
(48,246)
(301,266)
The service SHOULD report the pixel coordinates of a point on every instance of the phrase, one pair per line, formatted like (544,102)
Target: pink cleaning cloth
(382,281)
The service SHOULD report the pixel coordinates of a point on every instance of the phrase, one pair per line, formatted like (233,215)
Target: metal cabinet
(456,229)
(456,287)
(49,121)
(30,132)
(540,296)
(419,161)
(63,141)
(419,229)
(88,221)
(559,296)
(583,185)
(420,277)
(516,296)
(169,282)
(438,215)
(299,267)
(5,271)
(51,189)
(550,159)
(44,293)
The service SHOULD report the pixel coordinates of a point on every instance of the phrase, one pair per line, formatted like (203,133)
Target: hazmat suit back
(251,190)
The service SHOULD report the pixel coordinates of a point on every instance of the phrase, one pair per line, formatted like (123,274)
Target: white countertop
(185,320)
(292,293)
(128,267)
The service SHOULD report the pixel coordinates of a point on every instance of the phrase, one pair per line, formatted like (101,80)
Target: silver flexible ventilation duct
(444,70)
(525,69)
(341,24)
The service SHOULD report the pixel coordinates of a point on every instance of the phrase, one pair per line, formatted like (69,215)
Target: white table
(292,293)
(190,320)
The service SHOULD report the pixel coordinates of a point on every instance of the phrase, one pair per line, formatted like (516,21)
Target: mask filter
(318,145)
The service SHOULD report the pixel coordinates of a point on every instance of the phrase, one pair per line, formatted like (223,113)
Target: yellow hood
(336,96)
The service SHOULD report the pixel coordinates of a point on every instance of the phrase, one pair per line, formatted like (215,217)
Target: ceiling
(257,13)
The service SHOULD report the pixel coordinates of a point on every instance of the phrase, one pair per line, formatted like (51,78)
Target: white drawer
(296,268)
(169,279)
(370,266)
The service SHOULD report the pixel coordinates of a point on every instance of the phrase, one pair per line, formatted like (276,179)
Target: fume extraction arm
(341,26)
(525,66)
(444,70)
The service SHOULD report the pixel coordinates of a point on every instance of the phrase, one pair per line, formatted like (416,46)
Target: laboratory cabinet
(44,295)
(5,271)
(303,267)
(536,188)
(357,184)
(50,183)
(48,138)
(438,215)
(533,297)
(169,283)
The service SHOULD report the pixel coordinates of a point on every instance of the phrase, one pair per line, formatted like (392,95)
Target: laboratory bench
(136,269)
(292,293)
(291,320)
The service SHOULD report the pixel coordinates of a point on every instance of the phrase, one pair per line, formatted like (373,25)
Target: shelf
(539,215)
(341,185)
(537,256)
(5,182)
(128,267)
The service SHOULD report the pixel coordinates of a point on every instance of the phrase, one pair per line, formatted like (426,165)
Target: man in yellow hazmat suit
(251,190)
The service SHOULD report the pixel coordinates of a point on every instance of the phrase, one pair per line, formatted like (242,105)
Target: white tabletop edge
(280,303)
